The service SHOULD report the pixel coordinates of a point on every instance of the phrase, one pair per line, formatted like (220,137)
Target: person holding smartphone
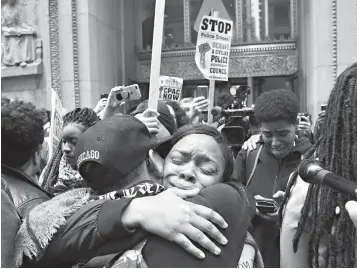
(265,170)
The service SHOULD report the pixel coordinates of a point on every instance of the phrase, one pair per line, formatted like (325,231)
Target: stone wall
(328,44)
(29,83)
(88,48)
(105,47)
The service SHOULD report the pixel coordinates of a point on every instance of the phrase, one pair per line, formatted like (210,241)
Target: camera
(304,114)
(131,93)
(240,93)
(238,118)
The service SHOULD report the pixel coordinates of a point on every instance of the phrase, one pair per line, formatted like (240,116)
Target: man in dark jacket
(22,136)
(266,170)
(10,224)
(116,152)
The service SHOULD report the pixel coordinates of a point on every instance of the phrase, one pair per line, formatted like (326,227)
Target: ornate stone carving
(20,43)
(293,18)
(54,46)
(334,40)
(75,54)
(186,16)
(239,20)
(264,60)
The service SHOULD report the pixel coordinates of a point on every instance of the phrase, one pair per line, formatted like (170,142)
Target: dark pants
(266,235)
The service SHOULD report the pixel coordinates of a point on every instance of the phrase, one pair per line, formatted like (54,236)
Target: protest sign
(56,123)
(213,47)
(170,88)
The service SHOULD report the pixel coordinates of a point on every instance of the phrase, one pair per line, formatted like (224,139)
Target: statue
(18,38)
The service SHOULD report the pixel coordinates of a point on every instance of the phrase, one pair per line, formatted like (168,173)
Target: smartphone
(202,91)
(128,93)
(305,114)
(105,95)
(267,205)
(323,107)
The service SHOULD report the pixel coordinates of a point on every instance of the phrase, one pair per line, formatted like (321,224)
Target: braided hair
(337,150)
(83,116)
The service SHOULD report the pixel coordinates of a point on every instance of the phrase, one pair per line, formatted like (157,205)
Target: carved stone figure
(18,37)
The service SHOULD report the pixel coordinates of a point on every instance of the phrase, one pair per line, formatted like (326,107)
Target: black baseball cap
(118,144)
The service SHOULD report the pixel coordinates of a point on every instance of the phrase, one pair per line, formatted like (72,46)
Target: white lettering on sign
(170,88)
(88,155)
(213,47)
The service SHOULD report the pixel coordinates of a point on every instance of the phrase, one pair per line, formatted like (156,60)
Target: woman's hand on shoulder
(251,143)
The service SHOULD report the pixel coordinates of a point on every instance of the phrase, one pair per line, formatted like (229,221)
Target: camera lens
(119,97)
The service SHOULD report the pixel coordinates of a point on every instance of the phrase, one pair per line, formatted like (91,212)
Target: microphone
(218,111)
(313,172)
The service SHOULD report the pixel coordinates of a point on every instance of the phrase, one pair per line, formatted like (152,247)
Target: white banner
(56,124)
(170,88)
(213,47)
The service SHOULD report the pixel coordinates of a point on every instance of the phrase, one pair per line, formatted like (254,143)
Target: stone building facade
(83,48)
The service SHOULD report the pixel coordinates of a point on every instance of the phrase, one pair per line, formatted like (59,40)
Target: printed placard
(213,47)
(56,123)
(170,88)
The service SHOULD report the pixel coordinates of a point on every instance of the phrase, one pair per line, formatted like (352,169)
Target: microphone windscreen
(308,169)
(216,111)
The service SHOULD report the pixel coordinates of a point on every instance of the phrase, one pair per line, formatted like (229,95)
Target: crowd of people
(146,188)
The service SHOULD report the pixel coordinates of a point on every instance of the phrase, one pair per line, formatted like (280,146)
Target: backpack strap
(255,164)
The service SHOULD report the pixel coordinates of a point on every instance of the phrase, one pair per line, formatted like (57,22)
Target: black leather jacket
(25,192)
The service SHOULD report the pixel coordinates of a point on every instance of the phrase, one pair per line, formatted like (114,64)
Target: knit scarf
(68,177)
(43,222)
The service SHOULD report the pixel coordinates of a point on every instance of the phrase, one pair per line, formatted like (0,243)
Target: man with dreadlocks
(316,228)
(59,176)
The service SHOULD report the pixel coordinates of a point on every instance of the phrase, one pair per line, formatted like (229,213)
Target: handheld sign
(170,88)
(156,54)
(56,123)
(213,47)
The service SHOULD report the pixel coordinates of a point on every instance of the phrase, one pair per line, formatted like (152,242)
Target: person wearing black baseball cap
(116,152)
(165,215)
(105,169)
(119,151)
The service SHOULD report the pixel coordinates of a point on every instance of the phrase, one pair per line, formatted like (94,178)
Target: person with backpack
(266,169)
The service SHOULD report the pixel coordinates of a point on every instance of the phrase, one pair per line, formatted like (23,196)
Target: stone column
(239,20)
(248,22)
(266,19)
(186,21)
(327,48)
(66,58)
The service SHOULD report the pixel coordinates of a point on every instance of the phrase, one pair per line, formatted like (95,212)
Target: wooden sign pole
(156,54)
(211,87)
